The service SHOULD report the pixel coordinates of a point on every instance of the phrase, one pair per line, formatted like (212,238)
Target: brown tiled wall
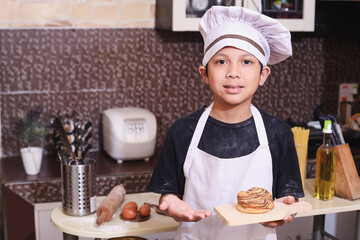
(95,69)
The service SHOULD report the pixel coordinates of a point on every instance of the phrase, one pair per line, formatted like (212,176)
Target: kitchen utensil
(77,128)
(78,187)
(129,133)
(110,204)
(336,130)
(232,217)
(157,209)
(64,140)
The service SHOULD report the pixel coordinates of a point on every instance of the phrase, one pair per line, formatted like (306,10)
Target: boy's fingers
(164,205)
(273,224)
(289,199)
(288,219)
(202,213)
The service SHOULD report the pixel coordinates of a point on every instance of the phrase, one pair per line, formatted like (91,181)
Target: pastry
(255,200)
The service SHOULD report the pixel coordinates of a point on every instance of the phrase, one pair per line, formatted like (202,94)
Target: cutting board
(232,217)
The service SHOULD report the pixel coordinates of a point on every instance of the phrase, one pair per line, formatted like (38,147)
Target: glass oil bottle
(325,166)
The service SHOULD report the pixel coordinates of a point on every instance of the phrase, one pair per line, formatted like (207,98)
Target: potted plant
(29,127)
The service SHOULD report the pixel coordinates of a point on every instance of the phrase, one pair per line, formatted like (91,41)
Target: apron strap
(260,127)
(200,127)
(196,139)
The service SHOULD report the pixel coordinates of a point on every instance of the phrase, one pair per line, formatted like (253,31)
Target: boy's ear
(202,71)
(264,75)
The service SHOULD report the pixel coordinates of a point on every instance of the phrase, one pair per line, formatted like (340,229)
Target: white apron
(214,181)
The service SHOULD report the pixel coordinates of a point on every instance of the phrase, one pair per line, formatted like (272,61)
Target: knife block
(347,182)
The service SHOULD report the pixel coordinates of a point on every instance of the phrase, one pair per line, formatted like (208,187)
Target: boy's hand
(179,210)
(286,219)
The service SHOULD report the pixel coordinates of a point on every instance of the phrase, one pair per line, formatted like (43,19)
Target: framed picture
(197,8)
(184,15)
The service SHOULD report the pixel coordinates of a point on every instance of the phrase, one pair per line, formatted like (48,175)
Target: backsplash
(91,70)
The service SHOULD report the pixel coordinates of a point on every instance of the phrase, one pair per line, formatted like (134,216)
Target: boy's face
(234,76)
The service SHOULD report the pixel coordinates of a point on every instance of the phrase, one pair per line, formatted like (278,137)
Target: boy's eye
(220,61)
(247,61)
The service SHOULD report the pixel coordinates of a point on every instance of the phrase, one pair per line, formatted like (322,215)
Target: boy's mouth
(233,89)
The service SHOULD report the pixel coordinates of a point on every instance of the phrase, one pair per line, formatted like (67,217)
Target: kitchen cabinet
(29,199)
(297,15)
(44,230)
(43,227)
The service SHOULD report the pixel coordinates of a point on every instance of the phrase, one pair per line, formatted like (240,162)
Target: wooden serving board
(232,217)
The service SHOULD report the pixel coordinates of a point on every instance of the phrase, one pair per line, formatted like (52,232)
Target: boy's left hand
(286,219)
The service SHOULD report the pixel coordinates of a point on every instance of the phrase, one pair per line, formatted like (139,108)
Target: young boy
(214,153)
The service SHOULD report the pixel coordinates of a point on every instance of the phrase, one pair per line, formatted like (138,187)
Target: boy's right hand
(179,210)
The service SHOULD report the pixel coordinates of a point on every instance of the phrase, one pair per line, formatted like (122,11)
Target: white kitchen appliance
(129,133)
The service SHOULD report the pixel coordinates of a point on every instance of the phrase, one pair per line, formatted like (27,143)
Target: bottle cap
(327,126)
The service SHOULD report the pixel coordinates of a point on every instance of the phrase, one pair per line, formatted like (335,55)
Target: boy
(211,155)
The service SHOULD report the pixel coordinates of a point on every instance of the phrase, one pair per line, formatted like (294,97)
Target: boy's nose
(233,72)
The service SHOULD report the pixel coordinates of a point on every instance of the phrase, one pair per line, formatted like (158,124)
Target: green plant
(29,126)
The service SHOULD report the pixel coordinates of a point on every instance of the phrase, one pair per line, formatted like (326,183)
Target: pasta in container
(301,139)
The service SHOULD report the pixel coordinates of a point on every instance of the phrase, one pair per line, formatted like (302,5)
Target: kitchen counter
(21,192)
(85,226)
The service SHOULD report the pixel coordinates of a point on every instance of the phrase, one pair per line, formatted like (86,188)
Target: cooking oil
(325,167)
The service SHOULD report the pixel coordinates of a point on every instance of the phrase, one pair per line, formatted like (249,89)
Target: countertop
(85,226)
(13,170)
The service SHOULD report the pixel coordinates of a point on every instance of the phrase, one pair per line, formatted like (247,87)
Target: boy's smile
(231,89)
(234,76)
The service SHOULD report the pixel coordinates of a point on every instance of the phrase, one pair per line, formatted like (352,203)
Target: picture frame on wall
(175,15)
(197,8)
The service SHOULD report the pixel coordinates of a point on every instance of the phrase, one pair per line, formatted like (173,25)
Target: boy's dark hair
(261,68)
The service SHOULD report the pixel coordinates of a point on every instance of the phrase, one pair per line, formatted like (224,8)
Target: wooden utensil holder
(347,182)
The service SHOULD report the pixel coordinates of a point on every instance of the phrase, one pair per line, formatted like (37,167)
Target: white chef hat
(260,35)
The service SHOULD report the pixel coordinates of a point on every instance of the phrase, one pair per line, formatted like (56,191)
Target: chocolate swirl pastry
(255,200)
